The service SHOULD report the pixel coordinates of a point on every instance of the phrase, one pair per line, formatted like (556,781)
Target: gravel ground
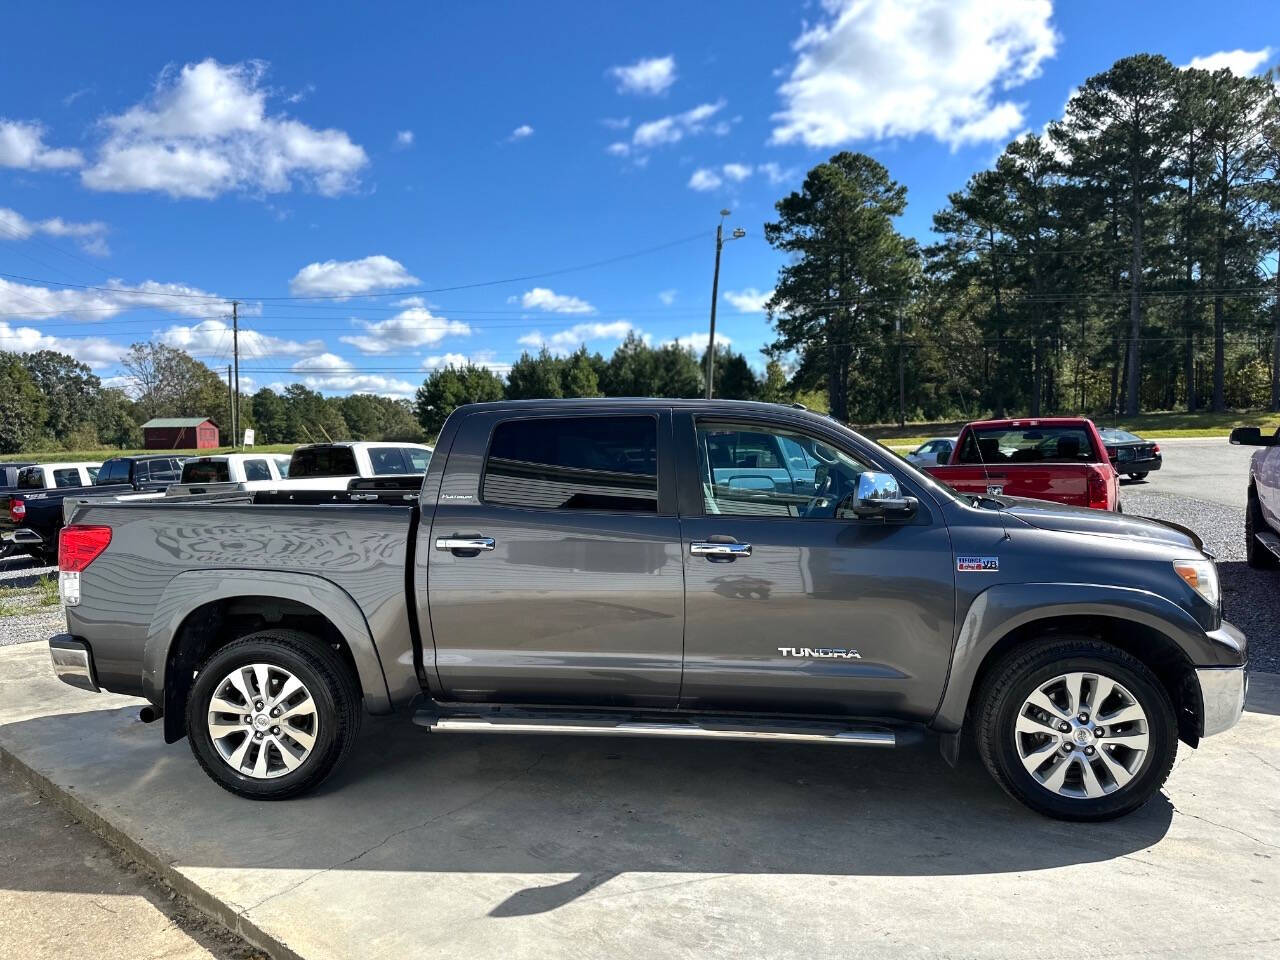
(1250,598)
(34,622)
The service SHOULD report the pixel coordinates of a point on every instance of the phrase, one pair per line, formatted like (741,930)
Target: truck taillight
(1097,490)
(1155,448)
(17,509)
(79,545)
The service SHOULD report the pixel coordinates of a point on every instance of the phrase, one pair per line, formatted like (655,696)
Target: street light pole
(715,296)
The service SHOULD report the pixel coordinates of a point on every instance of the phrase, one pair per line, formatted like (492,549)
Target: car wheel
(1138,476)
(271,715)
(1255,554)
(1076,729)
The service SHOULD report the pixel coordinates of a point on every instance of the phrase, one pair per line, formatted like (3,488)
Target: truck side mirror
(1251,437)
(878,494)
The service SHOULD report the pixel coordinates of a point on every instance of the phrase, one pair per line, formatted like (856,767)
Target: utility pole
(235,352)
(231,403)
(715,295)
(902,380)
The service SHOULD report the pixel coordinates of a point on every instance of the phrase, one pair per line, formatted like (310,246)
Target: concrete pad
(484,846)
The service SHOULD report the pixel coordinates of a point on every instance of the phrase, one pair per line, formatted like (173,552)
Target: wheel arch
(201,611)
(1168,641)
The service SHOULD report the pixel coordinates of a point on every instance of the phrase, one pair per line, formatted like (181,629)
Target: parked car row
(44,496)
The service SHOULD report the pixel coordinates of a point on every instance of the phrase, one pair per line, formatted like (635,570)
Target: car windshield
(1111,435)
(1067,443)
(323,462)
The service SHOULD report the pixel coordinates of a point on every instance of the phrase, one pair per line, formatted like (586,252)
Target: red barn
(180,433)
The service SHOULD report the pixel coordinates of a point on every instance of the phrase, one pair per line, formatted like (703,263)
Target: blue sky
(176,159)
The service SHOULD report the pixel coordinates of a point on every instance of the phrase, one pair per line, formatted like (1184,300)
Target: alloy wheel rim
(263,721)
(1082,735)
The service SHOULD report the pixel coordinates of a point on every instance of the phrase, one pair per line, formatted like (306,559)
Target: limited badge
(978,564)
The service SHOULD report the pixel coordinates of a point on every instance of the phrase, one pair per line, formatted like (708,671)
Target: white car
(230,472)
(331,466)
(933,452)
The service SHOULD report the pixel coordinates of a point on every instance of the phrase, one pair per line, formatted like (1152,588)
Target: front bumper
(1222,691)
(73,662)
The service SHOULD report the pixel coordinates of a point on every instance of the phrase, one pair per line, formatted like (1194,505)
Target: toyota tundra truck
(661,568)
(1262,507)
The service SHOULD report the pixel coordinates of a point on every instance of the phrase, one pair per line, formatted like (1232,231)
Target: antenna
(986,474)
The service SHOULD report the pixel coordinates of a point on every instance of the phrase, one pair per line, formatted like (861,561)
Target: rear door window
(114,471)
(387,460)
(574,463)
(256,470)
(416,458)
(32,478)
(66,477)
(162,471)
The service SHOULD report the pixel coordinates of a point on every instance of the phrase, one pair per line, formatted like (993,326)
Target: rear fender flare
(193,589)
(997,612)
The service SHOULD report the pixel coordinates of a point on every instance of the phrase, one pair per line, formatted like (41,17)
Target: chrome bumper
(1222,691)
(22,537)
(73,662)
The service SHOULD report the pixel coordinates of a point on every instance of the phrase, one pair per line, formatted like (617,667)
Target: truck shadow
(592,809)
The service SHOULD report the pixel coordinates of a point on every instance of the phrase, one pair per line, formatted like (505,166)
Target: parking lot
(550,847)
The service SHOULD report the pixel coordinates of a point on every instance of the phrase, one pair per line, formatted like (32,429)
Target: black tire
(1255,554)
(1137,476)
(334,691)
(1020,673)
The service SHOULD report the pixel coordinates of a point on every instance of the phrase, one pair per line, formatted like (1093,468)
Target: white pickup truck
(231,471)
(331,466)
(1262,513)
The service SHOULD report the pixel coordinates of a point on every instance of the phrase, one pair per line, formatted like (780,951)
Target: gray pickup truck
(658,568)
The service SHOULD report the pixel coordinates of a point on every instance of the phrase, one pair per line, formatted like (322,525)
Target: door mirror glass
(878,494)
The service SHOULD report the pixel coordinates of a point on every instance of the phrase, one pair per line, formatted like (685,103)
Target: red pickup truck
(1062,459)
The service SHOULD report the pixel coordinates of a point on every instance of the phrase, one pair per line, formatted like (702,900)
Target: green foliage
(774,387)
(169,382)
(639,370)
(22,406)
(70,391)
(580,374)
(370,417)
(270,416)
(535,378)
(451,387)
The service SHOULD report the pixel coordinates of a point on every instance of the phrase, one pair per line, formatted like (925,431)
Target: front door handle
(728,551)
(465,543)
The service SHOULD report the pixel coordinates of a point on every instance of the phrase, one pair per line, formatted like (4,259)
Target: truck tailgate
(1060,482)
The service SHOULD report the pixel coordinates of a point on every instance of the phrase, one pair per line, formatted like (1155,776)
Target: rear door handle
(465,543)
(731,551)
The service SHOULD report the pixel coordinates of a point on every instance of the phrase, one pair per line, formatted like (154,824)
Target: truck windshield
(205,471)
(1041,444)
(323,462)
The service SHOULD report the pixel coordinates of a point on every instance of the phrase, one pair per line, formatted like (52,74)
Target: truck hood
(1064,519)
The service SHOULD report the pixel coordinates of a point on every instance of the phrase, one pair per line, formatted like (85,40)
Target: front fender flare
(193,589)
(996,612)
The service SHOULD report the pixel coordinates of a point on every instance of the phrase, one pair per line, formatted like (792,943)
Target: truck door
(554,570)
(795,605)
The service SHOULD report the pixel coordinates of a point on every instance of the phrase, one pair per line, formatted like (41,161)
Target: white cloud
(548,301)
(26,300)
(652,75)
(618,149)
(412,327)
(328,371)
(350,278)
(91,236)
(674,128)
(749,300)
(97,352)
(482,359)
(205,131)
(404,138)
(520,132)
(22,145)
(617,123)
(697,342)
(1242,63)
(737,172)
(668,297)
(565,341)
(704,179)
(775,173)
(897,68)
(214,336)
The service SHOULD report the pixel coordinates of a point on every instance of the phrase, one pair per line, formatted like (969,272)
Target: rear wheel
(271,715)
(1076,729)
(1138,476)
(1255,554)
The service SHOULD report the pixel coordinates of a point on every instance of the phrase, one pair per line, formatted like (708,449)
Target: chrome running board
(568,725)
(1269,541)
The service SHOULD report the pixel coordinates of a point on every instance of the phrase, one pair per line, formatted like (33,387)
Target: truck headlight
(1202,577)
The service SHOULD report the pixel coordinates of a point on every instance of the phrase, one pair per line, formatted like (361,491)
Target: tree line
(1123,260)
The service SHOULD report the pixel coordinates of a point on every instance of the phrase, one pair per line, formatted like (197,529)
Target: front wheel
(1076,729)
(271,715)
